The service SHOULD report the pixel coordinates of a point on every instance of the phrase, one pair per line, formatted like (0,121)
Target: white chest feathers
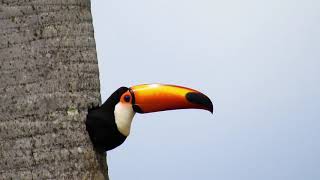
(123,114)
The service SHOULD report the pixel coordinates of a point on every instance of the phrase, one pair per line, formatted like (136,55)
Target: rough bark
(48,79)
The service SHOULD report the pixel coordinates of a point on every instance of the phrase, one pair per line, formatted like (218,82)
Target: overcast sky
(259,61)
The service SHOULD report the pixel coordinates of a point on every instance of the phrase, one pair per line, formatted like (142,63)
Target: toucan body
(109,125)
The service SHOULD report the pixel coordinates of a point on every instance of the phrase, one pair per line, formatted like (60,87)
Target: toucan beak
(159,97)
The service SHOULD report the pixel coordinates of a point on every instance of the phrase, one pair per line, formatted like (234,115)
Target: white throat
(123,114)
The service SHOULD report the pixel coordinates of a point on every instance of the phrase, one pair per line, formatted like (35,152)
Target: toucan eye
(127,98)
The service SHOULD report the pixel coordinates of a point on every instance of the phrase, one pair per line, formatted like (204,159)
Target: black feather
(101,124)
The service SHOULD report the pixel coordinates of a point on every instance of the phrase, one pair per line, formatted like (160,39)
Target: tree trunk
(48,79)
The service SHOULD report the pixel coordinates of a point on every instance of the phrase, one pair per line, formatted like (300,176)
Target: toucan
(109,125)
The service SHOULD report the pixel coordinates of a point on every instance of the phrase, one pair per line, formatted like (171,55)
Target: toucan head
(149,98)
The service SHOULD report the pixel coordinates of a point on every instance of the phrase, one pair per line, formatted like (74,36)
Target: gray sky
(258,61)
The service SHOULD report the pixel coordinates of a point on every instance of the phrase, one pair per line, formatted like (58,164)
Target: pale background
(257,60)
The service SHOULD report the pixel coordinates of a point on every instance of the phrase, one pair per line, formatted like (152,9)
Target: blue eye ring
(127,98)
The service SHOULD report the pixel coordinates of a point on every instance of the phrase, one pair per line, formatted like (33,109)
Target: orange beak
(159,97)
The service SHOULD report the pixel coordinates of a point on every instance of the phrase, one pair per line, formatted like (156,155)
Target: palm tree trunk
(48,78)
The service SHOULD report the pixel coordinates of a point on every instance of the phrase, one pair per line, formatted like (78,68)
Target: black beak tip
(200,99)
(210,108)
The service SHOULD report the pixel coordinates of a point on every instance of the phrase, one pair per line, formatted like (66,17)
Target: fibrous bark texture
(48,79)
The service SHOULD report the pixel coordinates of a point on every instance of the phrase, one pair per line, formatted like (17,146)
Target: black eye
(126,98)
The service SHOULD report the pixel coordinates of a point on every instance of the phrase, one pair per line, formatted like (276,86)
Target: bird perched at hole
(109,125)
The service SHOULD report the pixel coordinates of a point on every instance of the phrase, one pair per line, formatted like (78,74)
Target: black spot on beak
(136,108)
(200,99)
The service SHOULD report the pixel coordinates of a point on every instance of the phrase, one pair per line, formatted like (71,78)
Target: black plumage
(101,124)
